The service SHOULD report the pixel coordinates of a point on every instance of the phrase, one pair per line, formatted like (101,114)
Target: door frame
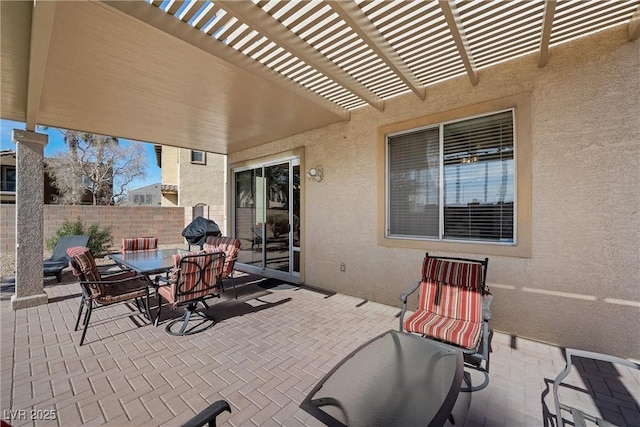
(293,158)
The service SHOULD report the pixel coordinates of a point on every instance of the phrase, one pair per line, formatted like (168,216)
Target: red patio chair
(137,244)
(195,276)
(453,308)
(230,246)
(102,290)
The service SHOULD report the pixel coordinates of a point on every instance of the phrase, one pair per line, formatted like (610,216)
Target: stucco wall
(581,285)
(203,184)
(170,173)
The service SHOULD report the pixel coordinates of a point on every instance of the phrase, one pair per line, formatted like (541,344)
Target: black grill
(198,230)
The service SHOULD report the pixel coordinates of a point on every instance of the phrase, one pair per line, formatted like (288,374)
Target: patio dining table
(147,262)
(395,379)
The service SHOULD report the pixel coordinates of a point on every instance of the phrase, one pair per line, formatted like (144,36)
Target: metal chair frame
(580,417)
(191,308)
(89,301)
(478,357)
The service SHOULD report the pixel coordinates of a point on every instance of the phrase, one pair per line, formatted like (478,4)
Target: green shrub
(100,240)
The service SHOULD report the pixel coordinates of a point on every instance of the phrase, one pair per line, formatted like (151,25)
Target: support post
(29,287)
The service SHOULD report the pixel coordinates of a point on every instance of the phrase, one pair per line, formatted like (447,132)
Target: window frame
(441,181)
(521,247)
(198,162)
(5,182)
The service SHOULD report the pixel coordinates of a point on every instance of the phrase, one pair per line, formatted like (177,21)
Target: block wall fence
(165,223)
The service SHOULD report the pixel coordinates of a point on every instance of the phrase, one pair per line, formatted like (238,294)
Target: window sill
(479,248)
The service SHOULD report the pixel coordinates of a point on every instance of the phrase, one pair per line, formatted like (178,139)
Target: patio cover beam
(634,25)
(155,17)
(360,23)
(41,25)
(265,24)
(545,36)
(452,17)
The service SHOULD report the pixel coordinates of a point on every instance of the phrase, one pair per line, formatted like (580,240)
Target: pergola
(229,75)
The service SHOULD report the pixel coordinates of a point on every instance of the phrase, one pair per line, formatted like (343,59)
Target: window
(453,181)
(9,179)
(198,157)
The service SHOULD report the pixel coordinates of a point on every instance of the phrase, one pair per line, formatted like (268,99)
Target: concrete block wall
(7,227)
(165,223)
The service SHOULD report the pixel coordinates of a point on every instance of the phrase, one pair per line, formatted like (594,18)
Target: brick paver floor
(266,352)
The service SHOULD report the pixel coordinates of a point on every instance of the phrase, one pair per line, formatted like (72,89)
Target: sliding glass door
(267,218)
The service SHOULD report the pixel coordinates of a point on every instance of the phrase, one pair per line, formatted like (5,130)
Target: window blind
(478,188)
(479,178)
(414,183)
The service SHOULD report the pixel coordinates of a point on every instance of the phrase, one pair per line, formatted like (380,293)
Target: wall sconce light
(315,173)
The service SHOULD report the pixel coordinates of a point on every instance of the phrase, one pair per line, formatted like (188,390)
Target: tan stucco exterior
(196,183)
(579,285)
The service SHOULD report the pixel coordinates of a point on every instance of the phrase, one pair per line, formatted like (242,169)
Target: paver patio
(266,352)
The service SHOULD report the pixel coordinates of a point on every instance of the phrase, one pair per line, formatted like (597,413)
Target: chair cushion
(455,302)
(122,291)
(457,273)
(463,333)
(229,245)
(186,281)
(138,244)
(86,265)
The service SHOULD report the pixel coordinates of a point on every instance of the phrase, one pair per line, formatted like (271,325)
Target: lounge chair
(453,308)
(54,265)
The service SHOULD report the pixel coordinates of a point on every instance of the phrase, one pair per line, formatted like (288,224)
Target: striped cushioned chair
(230,246)
(194,277)
(138,244)
(103,290)
(453,307)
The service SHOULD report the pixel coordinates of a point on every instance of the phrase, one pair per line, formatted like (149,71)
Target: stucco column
(29,219)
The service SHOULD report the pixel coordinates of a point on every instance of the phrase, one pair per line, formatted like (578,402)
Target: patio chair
(209,414)
(258,237)
(138,244)
(454,308)
(102,290)
(54,265)
(230,246)
(579,417)
(195,276)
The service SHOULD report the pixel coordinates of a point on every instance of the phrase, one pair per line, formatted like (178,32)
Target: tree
(97,165)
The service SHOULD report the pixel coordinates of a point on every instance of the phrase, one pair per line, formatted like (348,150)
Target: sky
(56,144)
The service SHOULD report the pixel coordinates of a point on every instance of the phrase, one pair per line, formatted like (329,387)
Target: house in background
(8,167)
(8,189)
(194,178)
(149,195)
